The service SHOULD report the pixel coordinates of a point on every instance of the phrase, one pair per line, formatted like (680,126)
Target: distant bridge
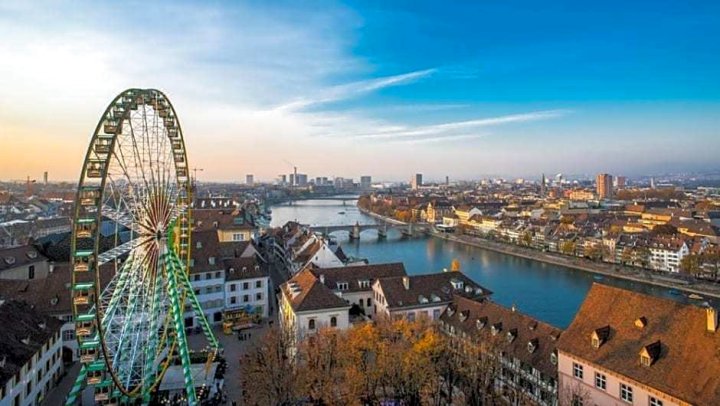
(382,227)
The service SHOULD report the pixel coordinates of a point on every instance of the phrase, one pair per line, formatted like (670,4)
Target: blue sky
(463,89)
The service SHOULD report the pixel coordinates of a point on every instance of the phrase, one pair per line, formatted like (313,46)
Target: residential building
(311,249)
(306,304)
(620,182)
(603,183)
(667,252)
(523,348)
(427,295)
(625,347)
(31,361)
(247,286)
(249,180)
(354,284)
(23,263)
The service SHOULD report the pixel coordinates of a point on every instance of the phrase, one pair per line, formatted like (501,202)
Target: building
(416,181)
(620,182)
(283,179)
(428,295)
(523,349)
(603,183)
(354,283)
(667,252)
(625,347)
(306,304)
(31,361)
(301,179)
(247,286)
(23,263)
(249,180)
(366,182)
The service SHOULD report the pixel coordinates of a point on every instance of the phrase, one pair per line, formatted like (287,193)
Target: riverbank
(604,269)
(599,268)
(381,217)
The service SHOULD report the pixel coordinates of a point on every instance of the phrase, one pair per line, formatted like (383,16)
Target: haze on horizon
(355,88)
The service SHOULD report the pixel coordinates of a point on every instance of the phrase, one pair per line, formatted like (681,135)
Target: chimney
(712,319)
(322,279)
(406,282)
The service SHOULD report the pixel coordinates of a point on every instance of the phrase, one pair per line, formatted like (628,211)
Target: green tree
(690,264)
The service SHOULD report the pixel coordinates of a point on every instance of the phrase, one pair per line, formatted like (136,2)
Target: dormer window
(650,353)
(342,286)
(532,345)
(496,328)
(451,310)
(434,297)
(554,358)
(364,283)
(211,260)
(198,244)
(480,323)
(422,299)
(464,315)
(457,284)
(641,322)
(510,336)
(599,336)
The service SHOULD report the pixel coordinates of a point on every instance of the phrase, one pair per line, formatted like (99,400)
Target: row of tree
(408,362)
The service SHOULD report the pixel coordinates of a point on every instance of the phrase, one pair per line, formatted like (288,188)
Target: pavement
(233,349)
(57,395)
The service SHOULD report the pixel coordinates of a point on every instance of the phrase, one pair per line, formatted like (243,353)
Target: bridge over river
(407,229)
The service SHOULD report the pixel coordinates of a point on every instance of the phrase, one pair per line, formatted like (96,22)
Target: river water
(548,292)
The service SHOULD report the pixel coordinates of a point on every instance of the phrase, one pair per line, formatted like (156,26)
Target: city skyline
(335,88)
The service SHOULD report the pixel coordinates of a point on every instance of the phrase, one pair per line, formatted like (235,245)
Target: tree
(526,239)
(594,252)
(567,247)
(269,371)
(690,264)
(322,359)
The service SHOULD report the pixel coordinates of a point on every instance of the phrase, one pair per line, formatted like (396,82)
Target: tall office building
(604,185)
(620,182)
(366,182)
(249,179)
(542,186)
(291,179)
(301,179)
(45,177)
(416,181)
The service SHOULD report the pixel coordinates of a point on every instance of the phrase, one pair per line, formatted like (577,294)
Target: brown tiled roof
(19,256)
(51,295)
(356,273)
(688,366)
(475,318)
(437,286)
(21,322)
(310,294)
(244,268)
(206,245)
(224,219)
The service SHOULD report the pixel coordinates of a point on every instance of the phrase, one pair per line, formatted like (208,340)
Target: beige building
(627,348)
(604,183)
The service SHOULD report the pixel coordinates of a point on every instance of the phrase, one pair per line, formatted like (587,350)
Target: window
(626,393)
(246,298)
(342,285)
(596,342)
(577,400)
(31,272)
(311,324)
(246,285)
(196,278)
(655,401)
(436,314)
(411,316)
(68,335)
(208,276)
(238,237)
(645,360)
(333,321)
(211,260)
(368,302)
(258,296)
(233,287)
(233,299)
(218,274)
(600,381)
(258,284)
(577,370)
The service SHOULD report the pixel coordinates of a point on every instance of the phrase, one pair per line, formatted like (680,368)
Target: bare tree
(269,371)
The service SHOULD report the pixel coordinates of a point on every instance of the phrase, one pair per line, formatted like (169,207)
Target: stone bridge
(382,227)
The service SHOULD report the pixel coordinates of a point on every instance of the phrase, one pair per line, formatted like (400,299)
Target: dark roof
(19,256)
(305,292)
(688,363)
(475,318)
(21,322)
(206,245)
(436,288)
(224,219)
(356,273)
(244,268)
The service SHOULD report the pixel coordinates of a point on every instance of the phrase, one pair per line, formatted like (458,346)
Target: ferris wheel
(130,253)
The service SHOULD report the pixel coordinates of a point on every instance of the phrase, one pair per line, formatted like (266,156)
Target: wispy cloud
(355,89)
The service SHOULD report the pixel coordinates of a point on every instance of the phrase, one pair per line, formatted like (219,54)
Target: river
(551,293)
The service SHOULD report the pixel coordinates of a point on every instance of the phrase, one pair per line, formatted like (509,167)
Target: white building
(316,251)
(247,286)
(666,254)
(417,296)
(30,354)
(306,305)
